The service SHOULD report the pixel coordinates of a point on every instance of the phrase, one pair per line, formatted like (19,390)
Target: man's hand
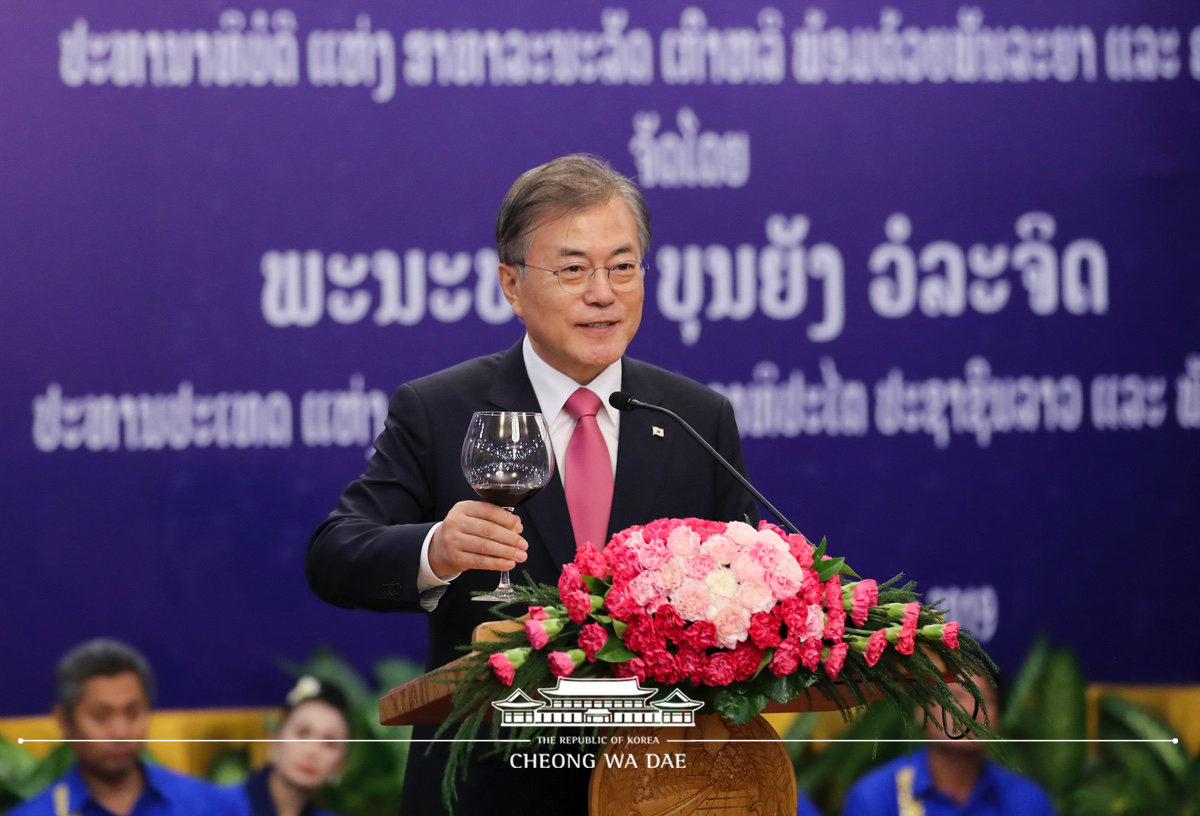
(476,535)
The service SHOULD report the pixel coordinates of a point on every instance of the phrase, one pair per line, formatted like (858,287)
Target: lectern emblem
(612,701)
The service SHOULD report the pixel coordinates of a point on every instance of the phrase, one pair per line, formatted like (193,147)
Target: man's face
(934,730)
(111,708)
(581,334)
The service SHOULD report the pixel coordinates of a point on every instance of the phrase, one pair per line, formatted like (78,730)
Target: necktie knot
(583,403)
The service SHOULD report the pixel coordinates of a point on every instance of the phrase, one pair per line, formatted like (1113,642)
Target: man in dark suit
(409,534)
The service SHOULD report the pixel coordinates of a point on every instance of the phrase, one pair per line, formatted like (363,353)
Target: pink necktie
(589,478)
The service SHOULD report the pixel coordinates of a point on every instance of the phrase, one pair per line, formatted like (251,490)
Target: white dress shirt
(552,389)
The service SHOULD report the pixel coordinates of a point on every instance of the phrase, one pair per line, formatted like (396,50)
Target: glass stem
(504,583)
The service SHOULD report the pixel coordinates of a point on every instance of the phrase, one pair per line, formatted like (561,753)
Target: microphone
(623,401)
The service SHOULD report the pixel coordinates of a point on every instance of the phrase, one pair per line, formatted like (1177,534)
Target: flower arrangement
(738,616)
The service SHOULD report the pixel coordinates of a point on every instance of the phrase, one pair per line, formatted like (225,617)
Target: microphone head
(622,401)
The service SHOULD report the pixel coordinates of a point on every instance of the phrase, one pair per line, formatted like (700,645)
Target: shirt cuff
(426,580)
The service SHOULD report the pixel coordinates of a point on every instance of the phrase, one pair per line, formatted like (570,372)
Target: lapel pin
(656,431)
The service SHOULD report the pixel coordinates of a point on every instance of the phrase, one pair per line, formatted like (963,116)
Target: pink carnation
(700,635)
(535,630)
(646,587)
(538,613)
(756,596)
(836,659)
(632,668)
(591,562)
(719,671)
(801,550)
(502,667)
(814,625)
(733,624)
(653,553)
(699,566)
(865,596)
(720,549)
(786,578)
(592,639)
(950,634)
(622,560)
(746,567)
(671,574)
(561,664)
(876,644)
(684,542)
(768,548)
(908,629)
(787,658)
(741,534)
(691,600)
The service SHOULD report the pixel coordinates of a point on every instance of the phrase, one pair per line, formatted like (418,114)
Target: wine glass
(506,458)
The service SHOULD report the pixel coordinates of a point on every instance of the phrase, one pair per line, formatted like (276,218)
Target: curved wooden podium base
(719,778)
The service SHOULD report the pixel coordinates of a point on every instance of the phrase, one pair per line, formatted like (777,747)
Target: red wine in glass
(507,458)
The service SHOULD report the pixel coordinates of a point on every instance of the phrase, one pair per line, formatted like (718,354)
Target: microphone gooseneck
(624,401)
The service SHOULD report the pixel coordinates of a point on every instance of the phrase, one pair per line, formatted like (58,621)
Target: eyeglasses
(576,278)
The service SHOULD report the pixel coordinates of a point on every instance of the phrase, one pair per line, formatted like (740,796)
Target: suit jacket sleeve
(367,553)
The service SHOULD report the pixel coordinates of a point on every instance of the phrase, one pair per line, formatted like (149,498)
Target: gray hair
(568,184)
(101,657)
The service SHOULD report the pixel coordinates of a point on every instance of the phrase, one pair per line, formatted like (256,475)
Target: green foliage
(22,776)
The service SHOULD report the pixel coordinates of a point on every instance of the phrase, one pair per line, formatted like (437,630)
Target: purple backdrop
(943,259)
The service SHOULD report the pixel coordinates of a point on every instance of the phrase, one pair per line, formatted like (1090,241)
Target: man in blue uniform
(103,693)
(948,778)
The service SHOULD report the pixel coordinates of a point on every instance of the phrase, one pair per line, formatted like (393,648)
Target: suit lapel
(546,512)
(642,452)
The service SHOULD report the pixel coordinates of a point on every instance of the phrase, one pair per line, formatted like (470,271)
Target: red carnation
(764,629)
(835,624)
(719,671)
(865,596)
(800,549)
(692,664)
(535,630)
(662,666)
(621,603)
(836,659)
(787,657)
(833,592)
(561,664)
(700,635)
(794,612)
(746,660)
(643,636)
(908,630)
(632,668)
(810,653)
(574,594)
(590,561)
(538,613)
(592,639)
(667,619)
(950,635)
(810,587)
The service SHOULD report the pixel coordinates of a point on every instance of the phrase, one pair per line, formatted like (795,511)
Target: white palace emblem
(615,701)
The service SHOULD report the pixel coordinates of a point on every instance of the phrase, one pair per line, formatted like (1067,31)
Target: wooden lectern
(712,768)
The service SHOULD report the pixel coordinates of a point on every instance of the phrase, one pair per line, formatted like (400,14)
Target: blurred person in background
(102,706)
(311,753)
(949,777)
